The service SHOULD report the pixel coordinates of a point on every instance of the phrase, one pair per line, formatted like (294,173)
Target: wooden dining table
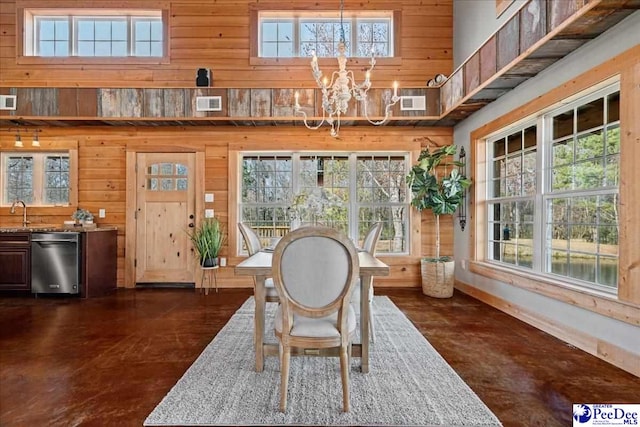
(259,266)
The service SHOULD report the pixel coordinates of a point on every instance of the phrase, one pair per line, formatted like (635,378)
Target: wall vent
(208,103)
(8,102)
(413,103)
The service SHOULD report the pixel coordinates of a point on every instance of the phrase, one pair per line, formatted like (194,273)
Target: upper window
(346,191)
(284,35)
(93,33)
(553,199)
(42,179)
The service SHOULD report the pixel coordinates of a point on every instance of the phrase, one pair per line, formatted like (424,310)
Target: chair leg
(344,373)
(372,329)
(285,355)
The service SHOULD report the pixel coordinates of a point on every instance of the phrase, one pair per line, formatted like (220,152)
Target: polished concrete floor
(109,361)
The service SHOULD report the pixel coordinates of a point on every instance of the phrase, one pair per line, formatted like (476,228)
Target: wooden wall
(102,176)
(216,35)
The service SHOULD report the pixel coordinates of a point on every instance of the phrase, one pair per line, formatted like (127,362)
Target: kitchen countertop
(53,229)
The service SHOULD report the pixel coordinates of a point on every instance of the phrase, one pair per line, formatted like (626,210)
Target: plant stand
(207,272)
(437,278)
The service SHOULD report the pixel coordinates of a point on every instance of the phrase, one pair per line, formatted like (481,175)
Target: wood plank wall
(102,171)
(216,35)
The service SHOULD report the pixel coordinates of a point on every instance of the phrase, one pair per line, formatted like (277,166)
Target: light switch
(208,197)
(102,213)
(208,213)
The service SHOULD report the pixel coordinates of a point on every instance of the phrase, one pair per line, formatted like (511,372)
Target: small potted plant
(207,240)
(437,184)
(83,216)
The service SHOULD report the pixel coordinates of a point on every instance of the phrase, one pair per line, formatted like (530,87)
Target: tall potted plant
(437,184)
(207,240)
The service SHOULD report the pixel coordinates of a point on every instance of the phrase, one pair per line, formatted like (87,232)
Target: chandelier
(337,92)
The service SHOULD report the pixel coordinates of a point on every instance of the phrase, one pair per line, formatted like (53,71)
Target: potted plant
(437,184)
(83,216)
(207,240)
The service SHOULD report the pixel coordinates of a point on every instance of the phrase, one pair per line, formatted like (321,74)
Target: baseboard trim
(604,350)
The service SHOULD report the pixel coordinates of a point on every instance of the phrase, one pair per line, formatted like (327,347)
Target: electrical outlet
(102,213)
(208,197)
(208,213)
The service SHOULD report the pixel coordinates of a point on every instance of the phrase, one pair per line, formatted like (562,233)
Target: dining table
(259,266)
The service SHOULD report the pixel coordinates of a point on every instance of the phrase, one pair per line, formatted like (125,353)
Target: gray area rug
(409,383)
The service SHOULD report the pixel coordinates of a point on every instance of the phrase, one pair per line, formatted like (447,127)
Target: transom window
(553,199)
(94,33)
(36,178)
(282,36)
(347,191)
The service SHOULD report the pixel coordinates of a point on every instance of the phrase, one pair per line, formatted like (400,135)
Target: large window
(553,198)
(93,33)
(345,191)
(286,36)
(42,179)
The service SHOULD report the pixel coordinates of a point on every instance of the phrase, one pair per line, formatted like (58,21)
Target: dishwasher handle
(54,241)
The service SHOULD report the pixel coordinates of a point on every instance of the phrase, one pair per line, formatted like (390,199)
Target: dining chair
(369,245)
(315,270)
(252,241)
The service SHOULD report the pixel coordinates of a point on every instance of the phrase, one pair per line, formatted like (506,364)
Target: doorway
(165,210)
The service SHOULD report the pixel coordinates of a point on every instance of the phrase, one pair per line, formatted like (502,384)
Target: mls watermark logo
(605,415)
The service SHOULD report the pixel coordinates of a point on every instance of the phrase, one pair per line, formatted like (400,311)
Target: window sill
(77,60)
(598,302)
(323,62)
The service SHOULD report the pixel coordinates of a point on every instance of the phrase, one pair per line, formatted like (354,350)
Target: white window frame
(352,158)
(33,18)
(38,178)
(544,193)
(352,19)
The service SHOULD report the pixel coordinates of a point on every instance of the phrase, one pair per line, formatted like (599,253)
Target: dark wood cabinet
(99,263)
(15,261)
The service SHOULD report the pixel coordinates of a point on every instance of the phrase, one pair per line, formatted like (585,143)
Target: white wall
(474,21)
(616,40)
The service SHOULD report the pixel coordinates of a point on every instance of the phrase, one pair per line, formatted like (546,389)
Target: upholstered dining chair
(369,245)
(252,241)
(315,270)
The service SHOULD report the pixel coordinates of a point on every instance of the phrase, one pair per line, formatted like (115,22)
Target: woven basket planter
(437,278)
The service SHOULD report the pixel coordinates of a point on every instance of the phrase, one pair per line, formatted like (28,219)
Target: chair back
(314,271)
(372,237)
(251,238)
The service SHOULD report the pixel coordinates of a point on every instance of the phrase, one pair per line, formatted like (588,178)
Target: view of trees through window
(346,191)
(40,178)
(568,191)
(303,36)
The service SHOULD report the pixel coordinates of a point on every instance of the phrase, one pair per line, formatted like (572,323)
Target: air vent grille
(208,103)
(7,102)
(413,103)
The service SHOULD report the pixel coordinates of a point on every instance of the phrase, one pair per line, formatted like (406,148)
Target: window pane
(563,125)
(52,186)
(323,186)
(85,49)
(98,35)
(86,30)
(590,115)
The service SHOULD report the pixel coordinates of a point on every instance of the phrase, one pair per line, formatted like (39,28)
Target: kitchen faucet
(24,211)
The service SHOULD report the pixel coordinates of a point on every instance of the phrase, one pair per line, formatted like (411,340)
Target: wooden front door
(165,211)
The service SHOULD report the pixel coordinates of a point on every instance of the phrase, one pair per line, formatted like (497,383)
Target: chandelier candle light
(337,93)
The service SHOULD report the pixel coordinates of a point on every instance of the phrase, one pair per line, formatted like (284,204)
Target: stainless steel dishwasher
(55,263)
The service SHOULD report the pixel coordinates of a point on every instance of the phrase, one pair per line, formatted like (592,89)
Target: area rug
(408,383)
